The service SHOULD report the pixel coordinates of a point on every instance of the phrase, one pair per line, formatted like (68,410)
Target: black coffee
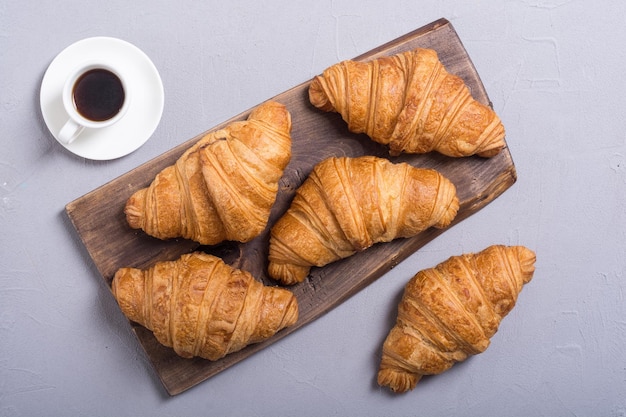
(98,95)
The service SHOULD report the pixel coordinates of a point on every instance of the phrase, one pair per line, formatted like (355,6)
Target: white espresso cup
(95,96)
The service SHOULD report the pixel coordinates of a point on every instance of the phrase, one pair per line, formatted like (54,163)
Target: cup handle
(70,131)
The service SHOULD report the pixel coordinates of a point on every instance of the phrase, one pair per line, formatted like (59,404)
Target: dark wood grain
(100,223)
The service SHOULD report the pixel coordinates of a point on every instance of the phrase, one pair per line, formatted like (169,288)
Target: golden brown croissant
(348,204)
(223,187)
(451,311)
(410,103)
(200,306)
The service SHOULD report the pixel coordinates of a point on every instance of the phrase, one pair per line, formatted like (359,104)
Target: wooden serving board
(101,225)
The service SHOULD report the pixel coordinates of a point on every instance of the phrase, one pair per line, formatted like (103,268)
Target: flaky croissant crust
(223,187)
(411,103)
(348,204)
(200,306)
(451,311)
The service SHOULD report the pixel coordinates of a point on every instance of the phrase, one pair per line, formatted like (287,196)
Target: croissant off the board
(223,187)
(199,306)
(451,311)
(410,103)
(348,204)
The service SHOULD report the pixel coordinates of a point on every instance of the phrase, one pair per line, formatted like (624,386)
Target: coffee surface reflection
(98,95)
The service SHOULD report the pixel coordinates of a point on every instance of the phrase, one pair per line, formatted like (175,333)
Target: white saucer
(142,117)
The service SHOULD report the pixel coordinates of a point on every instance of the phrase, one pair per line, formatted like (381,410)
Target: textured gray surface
(553,70)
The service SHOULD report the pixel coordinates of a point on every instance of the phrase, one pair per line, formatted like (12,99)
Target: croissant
(410,103)
(223,187)
(348,204)
(451,311)
(202,307)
